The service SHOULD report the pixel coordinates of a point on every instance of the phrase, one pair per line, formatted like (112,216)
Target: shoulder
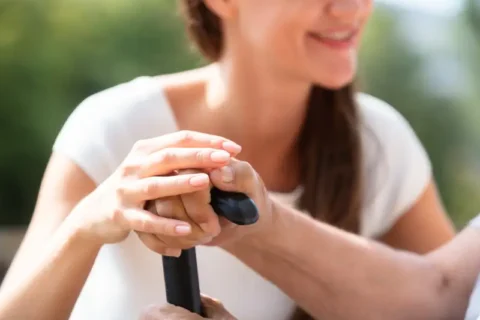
(101,130)
(143,95)
(397,168)
(379,116)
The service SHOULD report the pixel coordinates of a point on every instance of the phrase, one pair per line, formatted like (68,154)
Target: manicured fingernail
(220,156)
(199,180)
(183,229)
(231,147)
(173,252)
(227,174)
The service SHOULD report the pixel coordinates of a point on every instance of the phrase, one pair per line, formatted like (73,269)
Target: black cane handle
(181,274)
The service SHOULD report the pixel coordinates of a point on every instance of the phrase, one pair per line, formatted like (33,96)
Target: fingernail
(199,180)
(227,174)
(231,147)
(183,229)
(220,156)
(173,252)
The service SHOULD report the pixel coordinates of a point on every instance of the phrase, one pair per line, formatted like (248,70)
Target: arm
(49,289)
(348,277)
(50,271)
(423,227)
(65,259)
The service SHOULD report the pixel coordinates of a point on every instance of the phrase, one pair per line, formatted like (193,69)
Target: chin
(334,83)
(333,77)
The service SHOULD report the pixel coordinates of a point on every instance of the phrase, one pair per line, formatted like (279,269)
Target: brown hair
(329,144)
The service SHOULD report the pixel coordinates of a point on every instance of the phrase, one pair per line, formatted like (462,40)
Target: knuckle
(117,215)
(128,169)
(166,157)
(201,156)
(151,189)
(166,228)
(146,226)
(140,145)
(185,136)
(179,181)
(121,190)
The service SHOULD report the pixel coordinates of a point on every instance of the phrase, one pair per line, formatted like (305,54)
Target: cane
(181,274)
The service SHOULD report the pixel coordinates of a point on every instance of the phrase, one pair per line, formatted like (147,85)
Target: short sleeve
(84,139)
(475,222)
(101,131)
(398,168)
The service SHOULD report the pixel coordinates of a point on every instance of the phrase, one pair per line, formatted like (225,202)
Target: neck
(257,107)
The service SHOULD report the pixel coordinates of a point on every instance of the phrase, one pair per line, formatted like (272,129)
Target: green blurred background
(55,53)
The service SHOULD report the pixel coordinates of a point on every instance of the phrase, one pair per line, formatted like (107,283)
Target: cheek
(272,26)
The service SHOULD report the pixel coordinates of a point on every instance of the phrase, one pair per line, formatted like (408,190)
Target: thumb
(224,178)
(237,176)
(215,310)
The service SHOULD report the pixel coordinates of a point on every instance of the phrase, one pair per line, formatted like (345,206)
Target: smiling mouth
(336,39)
(334,36)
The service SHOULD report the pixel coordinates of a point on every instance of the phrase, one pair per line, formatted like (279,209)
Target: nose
(347,9)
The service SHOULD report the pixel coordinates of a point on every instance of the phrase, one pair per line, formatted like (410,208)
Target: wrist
(76,232)
(262,233)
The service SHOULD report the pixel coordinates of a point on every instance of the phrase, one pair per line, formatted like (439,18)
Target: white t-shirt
(127,276)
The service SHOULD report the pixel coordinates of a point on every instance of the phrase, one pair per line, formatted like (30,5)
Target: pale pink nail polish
(173,252)
(183,229)
(199,180)
(231,147)
(220,156)
(227,174)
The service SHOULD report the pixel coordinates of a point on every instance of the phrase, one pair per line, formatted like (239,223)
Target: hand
(116,207)
(213,308)
(238,176)
(204,219)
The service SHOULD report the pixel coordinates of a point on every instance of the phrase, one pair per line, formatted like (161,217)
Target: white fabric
(127,276)
(475,222)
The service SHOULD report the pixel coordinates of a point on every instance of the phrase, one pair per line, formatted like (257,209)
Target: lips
(334,35)
(337,39)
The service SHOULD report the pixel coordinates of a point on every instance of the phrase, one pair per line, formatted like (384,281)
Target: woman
(280,86)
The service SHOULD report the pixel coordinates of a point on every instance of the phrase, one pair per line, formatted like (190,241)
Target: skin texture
(222,99)
(213,308)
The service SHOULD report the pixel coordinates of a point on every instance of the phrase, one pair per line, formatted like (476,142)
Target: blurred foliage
(55,53)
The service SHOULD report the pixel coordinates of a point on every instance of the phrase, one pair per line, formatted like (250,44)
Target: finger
(160,187)
(214,309)
(168,207)
(172,207)
(198,209)
(187,139)
(144,221)
(167,312)
(157,245)
(237,176)
(168,160)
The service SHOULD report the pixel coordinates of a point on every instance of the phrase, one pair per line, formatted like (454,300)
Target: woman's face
(313,40)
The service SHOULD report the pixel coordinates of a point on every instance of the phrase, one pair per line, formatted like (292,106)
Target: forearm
(332,274)
(51,286)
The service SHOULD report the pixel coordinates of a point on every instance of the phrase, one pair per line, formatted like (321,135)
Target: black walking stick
(181,274)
